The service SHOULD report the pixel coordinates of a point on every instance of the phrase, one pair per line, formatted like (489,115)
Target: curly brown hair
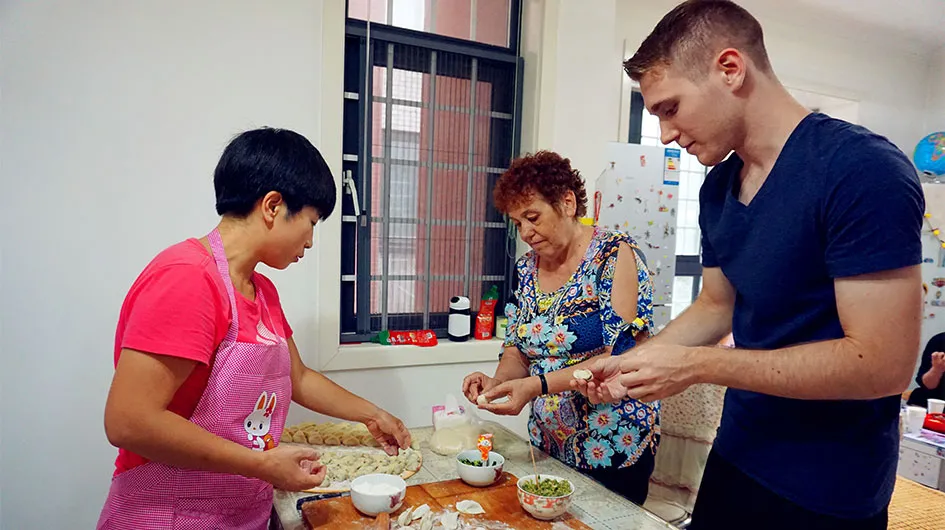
(546,173)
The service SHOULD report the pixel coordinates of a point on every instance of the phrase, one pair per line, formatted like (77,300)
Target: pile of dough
(344,466)
(451,440)
(344,433)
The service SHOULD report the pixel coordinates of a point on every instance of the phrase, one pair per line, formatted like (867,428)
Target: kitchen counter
(593,504)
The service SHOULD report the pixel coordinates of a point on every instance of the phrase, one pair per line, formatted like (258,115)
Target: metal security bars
(430,124)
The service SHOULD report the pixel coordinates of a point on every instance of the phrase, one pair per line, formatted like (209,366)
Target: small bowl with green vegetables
(475,472)
(547,497)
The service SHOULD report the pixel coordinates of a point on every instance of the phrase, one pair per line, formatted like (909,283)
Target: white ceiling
(914,20)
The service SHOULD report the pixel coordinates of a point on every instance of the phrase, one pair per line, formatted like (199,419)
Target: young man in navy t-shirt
(811,252)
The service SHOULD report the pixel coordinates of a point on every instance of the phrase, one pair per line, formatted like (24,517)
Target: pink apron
(246,401)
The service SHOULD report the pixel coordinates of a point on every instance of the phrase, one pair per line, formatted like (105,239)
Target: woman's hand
(938,362)
(477,383)
(519,391)
(388,431)
(292,468)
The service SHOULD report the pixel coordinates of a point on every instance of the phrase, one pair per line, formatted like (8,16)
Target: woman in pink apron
(205,363)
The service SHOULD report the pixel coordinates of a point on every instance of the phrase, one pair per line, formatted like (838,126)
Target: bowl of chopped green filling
(545,497)
(476,472)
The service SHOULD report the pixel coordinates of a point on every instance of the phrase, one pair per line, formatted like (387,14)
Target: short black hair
(268,159)
(695,30)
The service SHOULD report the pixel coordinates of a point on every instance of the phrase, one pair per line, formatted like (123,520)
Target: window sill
(371,356)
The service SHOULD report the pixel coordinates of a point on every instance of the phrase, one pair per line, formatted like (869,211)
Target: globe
(929,155)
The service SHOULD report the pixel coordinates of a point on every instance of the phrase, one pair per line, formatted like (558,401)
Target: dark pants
(631,482)
(730,500)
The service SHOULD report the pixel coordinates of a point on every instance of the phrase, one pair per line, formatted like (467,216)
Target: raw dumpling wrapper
(470,507)
(420,511)
(404,518)
(450,521)
(426,522)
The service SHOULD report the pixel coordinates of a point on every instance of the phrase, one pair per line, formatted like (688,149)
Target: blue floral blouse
(576,322)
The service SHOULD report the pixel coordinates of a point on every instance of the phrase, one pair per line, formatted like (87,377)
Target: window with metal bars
(430,123)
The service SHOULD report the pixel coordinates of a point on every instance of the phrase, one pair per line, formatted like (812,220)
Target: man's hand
(519,391)
(605,386)
(291,468)
(388,431)
(657,371)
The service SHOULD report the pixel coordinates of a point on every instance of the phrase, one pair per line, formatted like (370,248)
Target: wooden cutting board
(500,501)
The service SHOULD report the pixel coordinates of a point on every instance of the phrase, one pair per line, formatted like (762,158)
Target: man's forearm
(316,392)
(932,378)
(829,370)
(702,324)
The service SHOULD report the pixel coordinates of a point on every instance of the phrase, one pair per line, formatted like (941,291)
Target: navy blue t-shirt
(839,202)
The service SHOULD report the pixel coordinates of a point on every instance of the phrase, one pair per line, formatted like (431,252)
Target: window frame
(359,164)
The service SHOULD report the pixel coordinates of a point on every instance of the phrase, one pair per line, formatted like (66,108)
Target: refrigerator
(933,262)
(637,192)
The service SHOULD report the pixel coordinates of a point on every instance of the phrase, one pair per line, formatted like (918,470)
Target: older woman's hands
(476,383)
(519,391)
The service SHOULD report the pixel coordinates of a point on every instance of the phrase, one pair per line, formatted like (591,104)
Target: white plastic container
(459,325)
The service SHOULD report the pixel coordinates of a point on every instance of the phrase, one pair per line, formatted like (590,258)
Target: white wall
(113,116)
(935,103)
(573,78)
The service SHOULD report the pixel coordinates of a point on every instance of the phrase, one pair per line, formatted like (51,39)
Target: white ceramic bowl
(540,507)
(479,476)
(370,503)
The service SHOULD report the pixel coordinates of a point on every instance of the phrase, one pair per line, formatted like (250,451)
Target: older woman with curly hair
(583,292)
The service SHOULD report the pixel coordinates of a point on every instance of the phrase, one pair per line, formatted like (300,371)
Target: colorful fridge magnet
(938,282)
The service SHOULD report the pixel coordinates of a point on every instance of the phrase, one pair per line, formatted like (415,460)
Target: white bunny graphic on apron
(257,423)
